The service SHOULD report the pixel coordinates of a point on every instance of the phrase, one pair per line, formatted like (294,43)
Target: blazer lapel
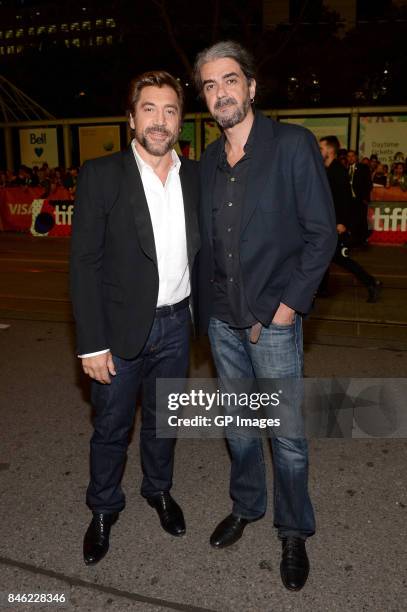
(261,167)
(190,193)
(139,204)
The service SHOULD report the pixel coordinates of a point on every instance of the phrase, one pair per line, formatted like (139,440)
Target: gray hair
(220,50)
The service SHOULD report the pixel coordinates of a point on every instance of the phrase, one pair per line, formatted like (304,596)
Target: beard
(160,148)
(235,115)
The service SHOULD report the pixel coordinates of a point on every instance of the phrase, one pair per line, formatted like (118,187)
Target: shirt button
(230,204)
(232,179)
(229,229)
(230,255)
(231,279)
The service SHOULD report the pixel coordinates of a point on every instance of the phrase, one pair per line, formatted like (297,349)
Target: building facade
(26,25)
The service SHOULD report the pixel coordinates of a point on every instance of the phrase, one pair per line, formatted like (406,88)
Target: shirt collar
(143,166)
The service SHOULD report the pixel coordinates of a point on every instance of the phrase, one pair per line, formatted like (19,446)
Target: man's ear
(252,88)
(131,121)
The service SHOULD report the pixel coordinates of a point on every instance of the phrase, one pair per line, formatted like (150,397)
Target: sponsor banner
(387,215)
(15,207)
(384,136)
(98,141)
(25,210)
(324,126)
(38,146)
(51,217)
(186,145)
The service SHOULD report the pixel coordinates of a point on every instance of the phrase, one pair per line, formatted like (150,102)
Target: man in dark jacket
(342,197)
(361,186)
(268,234)
(135,236)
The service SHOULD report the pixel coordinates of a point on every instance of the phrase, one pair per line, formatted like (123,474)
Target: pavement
(358,487)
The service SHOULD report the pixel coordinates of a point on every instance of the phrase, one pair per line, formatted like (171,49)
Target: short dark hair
(333,142)
(153,78)
(220,50)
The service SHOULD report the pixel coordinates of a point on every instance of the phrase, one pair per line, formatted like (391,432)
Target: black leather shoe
(96,541)
(294,566)
(169,512)
(374,291)
(229,531)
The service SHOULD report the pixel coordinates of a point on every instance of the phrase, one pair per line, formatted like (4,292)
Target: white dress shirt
(166,207)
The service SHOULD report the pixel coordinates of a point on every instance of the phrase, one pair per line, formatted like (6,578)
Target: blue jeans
(165,355)
(278,354)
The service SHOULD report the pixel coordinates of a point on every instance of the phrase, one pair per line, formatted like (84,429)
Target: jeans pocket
(181,317)
(284,325)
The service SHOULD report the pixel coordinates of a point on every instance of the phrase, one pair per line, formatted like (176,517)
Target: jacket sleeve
(86,260)
(316,216)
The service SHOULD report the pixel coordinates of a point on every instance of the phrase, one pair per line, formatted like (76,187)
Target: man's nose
(161,116)
(221,91)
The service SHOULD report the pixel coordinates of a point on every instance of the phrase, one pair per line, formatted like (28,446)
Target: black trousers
(165,355)
(359,225)
(350,265)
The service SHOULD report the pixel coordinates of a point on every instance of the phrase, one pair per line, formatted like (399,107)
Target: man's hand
(284,315)
(340,228)
(99,367)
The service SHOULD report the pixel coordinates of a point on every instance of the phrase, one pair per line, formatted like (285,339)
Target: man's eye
(231,81)
(208,86)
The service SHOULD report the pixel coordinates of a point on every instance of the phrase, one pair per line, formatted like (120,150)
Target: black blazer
(338,179)
(113,263)
(288,230)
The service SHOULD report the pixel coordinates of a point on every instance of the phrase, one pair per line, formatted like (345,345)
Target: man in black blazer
(134,240)
(268,234)
(342,197)
(361,187)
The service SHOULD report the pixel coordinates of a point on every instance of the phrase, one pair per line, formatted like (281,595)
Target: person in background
(34,181)
(379,176)
(373,162)
(71,179)
(23,177)
(398,177)
(43,174)
(343,157)
(342,196)
(361,186)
